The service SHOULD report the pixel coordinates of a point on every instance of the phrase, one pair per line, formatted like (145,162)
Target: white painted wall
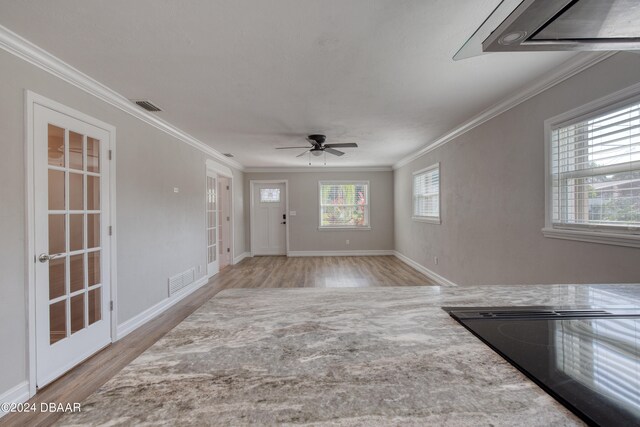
(493,197)
(160,233)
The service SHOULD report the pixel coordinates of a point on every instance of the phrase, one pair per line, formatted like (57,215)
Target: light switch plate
(292,213)
(176,190)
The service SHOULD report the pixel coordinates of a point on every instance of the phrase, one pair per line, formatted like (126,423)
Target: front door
(269,219)
(71,216)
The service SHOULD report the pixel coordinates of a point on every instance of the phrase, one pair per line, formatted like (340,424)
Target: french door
(71,220)
(213,262)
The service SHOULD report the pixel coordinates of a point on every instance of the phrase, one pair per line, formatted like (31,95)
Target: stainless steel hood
(557,25)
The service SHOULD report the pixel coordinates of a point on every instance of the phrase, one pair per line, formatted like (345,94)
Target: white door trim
(252,184)
(31,99)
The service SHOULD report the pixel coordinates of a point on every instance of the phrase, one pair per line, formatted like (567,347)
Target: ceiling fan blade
(300,155)
(288,148)
(332,151)
(343,145)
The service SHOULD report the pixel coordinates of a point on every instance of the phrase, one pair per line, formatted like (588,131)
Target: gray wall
(159,232)
(493,197)
(303,198)
(239,214)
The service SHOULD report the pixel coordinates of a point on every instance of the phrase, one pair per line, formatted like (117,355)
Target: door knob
(283,222)
(46,257)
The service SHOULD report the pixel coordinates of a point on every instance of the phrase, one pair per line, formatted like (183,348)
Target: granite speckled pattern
(364,357)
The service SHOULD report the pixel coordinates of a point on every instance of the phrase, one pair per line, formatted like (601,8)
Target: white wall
(493,197)
(304,199)
(160,233)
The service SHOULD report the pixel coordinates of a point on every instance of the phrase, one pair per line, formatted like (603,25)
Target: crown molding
(24,49)
(569,69)
(320,169)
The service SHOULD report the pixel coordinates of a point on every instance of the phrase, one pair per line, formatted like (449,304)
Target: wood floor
(257,272)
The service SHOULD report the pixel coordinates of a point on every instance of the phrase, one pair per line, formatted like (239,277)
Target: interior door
(71,206)
(269,219)
(213,262)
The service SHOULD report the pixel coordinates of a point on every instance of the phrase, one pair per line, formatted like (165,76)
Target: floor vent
(147,105)
(181,281)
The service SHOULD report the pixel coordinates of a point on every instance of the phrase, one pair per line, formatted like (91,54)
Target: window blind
(426,193)
(344,204)
(595,167)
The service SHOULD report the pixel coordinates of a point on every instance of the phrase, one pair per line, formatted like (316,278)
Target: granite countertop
(340,356)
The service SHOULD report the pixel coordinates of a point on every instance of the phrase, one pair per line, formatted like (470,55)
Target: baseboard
(442,281)
(135,322)
(241,257)
(17,394)
(340,253)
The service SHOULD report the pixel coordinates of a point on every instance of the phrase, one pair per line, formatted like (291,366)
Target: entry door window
(269,195)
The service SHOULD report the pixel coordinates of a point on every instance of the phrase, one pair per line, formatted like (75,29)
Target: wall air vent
(147,105)
(227,154)
(181,281)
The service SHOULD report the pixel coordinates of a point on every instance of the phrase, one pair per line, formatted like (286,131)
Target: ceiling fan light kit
(318,147)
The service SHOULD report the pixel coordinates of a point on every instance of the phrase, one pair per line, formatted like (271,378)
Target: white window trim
(427,219)
(586,234)
(349,227)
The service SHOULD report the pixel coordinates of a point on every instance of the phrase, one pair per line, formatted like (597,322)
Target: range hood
(557,25)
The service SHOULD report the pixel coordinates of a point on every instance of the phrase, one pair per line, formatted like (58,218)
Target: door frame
(222,170)
(229,203)
(30,99)
(252,184)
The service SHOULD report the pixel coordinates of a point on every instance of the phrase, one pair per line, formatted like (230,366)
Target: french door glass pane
(76,152)
(94,267)
(76,192)
(93,231)
(57,234)
(76,232)
(93,193)
(56,190)
(57,275)
(56,146)
(93,155)
(57,321)
(94,305)
(76,274)
(77,313)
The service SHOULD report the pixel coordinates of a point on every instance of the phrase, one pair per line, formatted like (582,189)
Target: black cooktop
(587,358)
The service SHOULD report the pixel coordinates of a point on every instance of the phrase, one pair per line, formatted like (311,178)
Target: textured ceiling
(246,76)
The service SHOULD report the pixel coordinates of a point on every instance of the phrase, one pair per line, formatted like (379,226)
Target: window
(594,175)
(426,194)
(344,205)
(269,195)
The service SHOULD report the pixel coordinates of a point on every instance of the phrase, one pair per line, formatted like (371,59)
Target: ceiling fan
(318,146)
